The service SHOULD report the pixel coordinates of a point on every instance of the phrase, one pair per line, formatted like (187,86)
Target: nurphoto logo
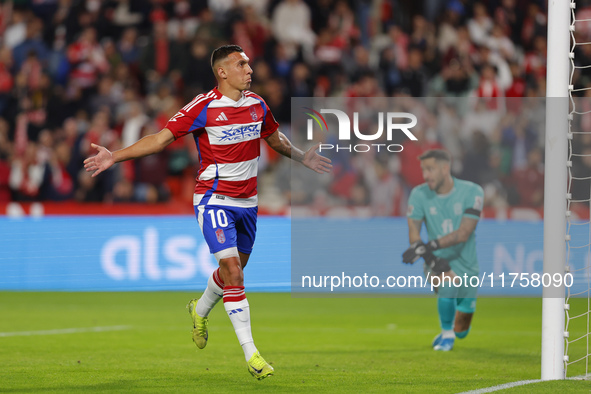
(395,122)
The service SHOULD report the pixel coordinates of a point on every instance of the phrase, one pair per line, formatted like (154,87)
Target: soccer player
(227,124)
(450,208)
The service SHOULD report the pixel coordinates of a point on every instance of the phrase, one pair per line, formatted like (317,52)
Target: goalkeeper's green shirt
(443,213)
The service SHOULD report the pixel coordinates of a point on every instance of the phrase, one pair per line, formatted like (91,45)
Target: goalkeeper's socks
(447,312)
(238,310)
(463,334)
(212,294)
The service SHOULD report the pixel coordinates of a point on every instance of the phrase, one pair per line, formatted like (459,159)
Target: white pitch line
(520,383)
(502,386)
(64,331)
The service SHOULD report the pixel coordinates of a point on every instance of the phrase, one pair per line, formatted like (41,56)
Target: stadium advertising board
(163,253)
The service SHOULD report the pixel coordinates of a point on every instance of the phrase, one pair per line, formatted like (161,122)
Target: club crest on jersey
(253,113)
(433,210)
(219,233)
(478,203)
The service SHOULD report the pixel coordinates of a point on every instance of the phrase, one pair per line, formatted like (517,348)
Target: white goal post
(555,185)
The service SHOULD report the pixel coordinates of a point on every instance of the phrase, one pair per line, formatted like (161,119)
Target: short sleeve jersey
(227,134)
(443,214)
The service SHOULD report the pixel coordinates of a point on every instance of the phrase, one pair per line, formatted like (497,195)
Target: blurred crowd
(74,72)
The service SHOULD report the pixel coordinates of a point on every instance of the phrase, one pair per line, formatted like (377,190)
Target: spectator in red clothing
(488,88)
(60,184)
(26,174)
(366,86)
(517,88)
(399,42)
(535,60)
(100,133)
(5,156)
(256,31)
(87,59)
(529,181)
(162,57)
(4,177)
(329,49)
(342,21)
(6,78)
(515,92)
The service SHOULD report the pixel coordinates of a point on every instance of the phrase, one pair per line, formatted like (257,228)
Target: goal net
(578,226)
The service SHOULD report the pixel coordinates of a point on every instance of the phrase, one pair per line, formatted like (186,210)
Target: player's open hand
(100,162)
(315,161)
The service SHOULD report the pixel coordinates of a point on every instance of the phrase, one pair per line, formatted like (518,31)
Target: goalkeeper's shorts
(460,289)
(466,305)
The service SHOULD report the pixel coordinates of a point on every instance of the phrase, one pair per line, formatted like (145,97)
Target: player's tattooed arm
(467,227)
(311,159)
(282,145)
(414,230)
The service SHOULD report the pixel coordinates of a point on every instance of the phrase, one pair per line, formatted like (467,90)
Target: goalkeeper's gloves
(419,249)
(436,265)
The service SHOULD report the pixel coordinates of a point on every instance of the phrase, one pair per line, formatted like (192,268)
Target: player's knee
(232,272)
(463,334)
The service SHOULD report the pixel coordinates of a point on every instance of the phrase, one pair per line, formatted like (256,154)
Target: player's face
(238,72)
(434,173)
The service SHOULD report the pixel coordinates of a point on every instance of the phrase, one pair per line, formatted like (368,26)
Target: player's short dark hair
(437,154)
(223,52)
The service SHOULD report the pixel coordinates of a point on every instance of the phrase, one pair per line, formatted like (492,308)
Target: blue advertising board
(130,253)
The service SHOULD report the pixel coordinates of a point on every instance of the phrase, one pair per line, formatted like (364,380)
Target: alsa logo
(240,133)
(394,122)
(155,257)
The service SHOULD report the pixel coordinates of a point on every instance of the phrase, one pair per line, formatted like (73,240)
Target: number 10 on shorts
(222,219)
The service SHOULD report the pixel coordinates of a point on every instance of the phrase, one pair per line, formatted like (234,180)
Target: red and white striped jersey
(227,134)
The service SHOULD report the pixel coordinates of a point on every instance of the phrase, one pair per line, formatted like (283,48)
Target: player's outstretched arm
(148,145)
(311,159)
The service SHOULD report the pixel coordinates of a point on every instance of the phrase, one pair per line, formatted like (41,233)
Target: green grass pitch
(315,345)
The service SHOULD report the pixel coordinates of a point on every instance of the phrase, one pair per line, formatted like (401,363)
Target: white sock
(238,310)
(212,294)
(448,334)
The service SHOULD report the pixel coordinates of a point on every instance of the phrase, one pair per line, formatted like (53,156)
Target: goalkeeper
(450,208)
